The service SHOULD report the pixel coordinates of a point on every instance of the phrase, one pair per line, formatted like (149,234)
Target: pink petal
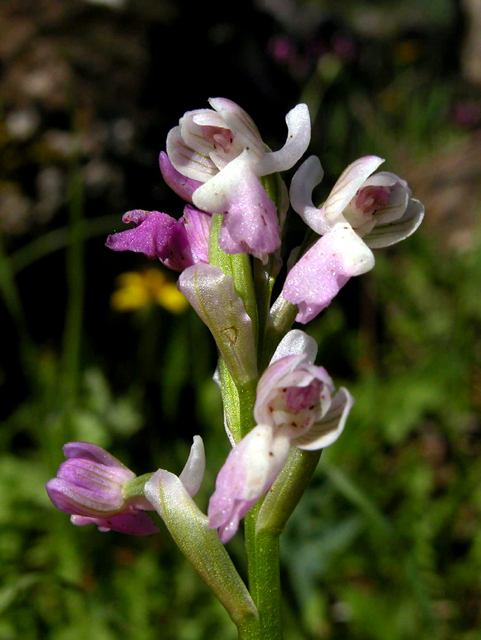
(158,236)
(251,224)
(90,474)
(92,452)
(320,274)
(137,216)
(183,186)
(249,471)
(70,498)
(289,371)
(197,225)
(135,523)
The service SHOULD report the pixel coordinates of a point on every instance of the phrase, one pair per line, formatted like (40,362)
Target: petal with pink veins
(348,184)
(187,161)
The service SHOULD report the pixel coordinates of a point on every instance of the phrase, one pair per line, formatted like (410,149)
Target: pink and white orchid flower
(361,213)
(295,406)
(221,149)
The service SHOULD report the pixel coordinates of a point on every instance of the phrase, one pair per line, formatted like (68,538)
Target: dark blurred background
(97,346)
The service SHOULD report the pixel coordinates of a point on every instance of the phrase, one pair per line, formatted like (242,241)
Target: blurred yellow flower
(407,51)
(140,289)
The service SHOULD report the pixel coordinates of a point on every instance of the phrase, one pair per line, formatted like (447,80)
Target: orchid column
(280,408)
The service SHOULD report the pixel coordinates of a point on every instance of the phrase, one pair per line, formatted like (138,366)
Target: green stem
(268,585)
(262,549)
(58,239)
(287,491)
(238,266)
(281,319)
(135,488)
(282,314)
(11,296)
(250,522)
(72,337)
(263,527)
(248,629)
(263,285)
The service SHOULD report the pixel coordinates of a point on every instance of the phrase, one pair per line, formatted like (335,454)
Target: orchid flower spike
(361,213)
(90,485)
(295,405)
(178,244)
(221,150)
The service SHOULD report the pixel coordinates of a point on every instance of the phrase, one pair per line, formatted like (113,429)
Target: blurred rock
(50,193)
(471,55)
(21,124)
(15,210)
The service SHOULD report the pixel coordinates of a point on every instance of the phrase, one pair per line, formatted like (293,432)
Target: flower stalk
(280,408)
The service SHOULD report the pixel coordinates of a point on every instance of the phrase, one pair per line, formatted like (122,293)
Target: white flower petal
(296,342)
(350,181)
(328,430)
(298,138)
(192,133)
(209,118)
(215,195)
(386,179)
(187,161)
(193,471)
(306,178)
(384,235)
(395,208)
(241,125)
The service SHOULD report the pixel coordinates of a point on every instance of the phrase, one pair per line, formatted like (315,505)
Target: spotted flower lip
(90,486)
(221,150)
(324,269)
(295,406)
(379,207)
(361,213)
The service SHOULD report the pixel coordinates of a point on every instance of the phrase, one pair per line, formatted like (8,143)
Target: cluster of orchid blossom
(236,206)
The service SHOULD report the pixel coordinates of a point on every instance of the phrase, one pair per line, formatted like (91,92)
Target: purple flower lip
(178,244)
